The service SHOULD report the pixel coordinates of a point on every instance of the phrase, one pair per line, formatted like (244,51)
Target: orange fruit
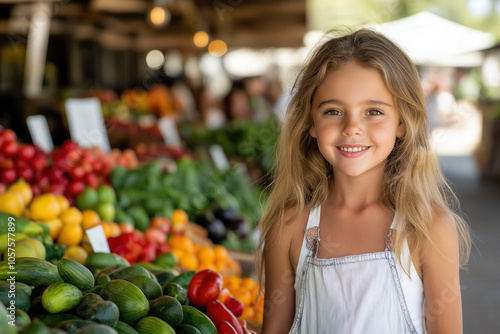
(189,261)
(12,202)
(233,266)
(90,218)
(70,234)
(248,313)
(63,202)
(76,253)
(45,207)
(72,216)
(115,229)
(224,295)
(206,255)
(24,189)
(220,252)
(249,283)
(231,282)
(242,295)
(178,252)
(106,228)
(181,242)
(55,225)
(205,265)
(179,220)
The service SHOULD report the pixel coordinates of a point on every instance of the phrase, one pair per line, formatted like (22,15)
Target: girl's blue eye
(374,112)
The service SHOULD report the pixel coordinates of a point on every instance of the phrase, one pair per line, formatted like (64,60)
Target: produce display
(164,274)
(65,171)
(252,141)
(198,188)
(107,294)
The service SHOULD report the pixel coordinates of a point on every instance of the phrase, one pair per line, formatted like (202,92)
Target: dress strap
(312,231)
(390,238)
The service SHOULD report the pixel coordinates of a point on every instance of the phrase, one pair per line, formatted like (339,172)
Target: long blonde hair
(412,182)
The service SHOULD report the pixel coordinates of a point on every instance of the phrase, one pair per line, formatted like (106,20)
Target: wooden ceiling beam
(119,6)
(260,10)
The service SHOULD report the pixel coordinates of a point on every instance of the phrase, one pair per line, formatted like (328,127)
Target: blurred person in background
(439,100)
(237,102)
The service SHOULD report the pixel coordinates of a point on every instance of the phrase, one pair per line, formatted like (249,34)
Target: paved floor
(480,203)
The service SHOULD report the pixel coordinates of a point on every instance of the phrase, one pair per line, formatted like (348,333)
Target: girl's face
(355,120)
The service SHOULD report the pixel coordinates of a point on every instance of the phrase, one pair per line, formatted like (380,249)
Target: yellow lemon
(70,234)
(12,202)
(45,207)
(63,202)
(24,189)
(72,216)
(55,225)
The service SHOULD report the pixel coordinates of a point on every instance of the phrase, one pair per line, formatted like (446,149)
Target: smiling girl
(359,235)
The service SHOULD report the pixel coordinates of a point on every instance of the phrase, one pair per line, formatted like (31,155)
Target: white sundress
(356,294)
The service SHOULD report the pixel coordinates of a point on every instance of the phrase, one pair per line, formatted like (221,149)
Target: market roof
(432,40)
(122,24)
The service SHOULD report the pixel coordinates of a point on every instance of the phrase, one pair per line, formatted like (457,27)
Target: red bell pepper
(219,313)
(243,324)
(234,305)
(205,286)
(148,250)
(226,328)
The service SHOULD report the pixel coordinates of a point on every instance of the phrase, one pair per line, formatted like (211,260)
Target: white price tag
(219,157)
(86,124)
(98,239)
(168,130)
(40,133)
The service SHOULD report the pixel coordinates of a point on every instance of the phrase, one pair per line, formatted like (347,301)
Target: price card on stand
(219,157)
(168,130)
(40,133)
(98,239)
(86,124)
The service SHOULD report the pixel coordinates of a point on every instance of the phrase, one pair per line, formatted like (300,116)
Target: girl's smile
(353,151)
(355,120)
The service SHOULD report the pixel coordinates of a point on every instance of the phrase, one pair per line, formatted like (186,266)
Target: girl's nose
(352,127)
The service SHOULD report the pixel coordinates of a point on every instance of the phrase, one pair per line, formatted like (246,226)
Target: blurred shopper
(211,110)
(277,96)
(259,106)
(439,100)
(358,235)
(237,103)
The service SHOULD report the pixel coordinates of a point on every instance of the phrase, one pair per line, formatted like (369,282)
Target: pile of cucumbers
(106,295)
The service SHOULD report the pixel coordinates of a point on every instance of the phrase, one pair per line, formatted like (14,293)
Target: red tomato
(156,235)
(161,223)
(26,152)
(91,180)
(76,187)
(10,148)
(9,175)
(56,189)
(27,173)
(77,173)
(8,135)
(39,163)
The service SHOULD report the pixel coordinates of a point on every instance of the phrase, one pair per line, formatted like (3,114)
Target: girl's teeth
(353,149)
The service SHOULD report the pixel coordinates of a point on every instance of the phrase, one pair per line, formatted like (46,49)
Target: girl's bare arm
(440,266)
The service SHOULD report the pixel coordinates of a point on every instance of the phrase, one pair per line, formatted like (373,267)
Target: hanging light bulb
(217,48)
(159,16)
(201,39)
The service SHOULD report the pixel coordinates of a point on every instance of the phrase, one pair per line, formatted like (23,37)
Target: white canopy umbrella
(432,40)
